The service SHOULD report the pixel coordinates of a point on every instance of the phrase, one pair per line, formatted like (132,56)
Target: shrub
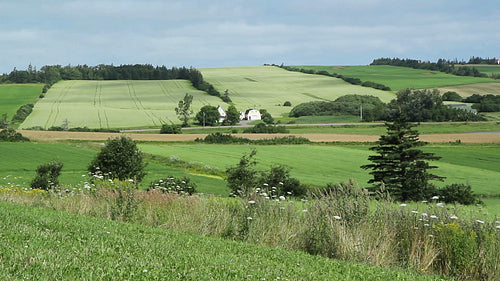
(22,113)
(287,103)
(242,177)
(10,135)
(47,175)
(458,193)
(451,96)
(278,179)
(119,159)
(262,128)
(170,129)
(176,185)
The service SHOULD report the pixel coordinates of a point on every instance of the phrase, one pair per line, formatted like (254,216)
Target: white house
(222,114)
(252,114)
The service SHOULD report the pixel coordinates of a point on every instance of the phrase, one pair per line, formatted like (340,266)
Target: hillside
(114,104)
(269,87)
(398,78)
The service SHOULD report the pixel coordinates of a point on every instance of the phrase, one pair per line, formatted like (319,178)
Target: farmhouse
(252,114)
(222,114)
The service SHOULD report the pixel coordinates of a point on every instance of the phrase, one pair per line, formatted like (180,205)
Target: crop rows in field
(398,78)
(269,87)
(114,104)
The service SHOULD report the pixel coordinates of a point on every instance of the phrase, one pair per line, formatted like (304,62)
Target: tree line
(51,74)
(351,80)
(441,65)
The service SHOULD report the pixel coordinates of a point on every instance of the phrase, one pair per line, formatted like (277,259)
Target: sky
(220,33)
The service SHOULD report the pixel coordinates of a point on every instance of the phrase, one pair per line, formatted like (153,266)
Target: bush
(287,103)
(22,113)
(176,185)
(119,159)
(10,135)
(278,179)
(451,96)
(262,128)
(458,193)
(170,129)
(47,175)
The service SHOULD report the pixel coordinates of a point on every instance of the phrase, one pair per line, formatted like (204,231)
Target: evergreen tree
(400,166)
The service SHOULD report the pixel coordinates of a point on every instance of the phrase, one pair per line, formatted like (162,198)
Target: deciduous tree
(183,110)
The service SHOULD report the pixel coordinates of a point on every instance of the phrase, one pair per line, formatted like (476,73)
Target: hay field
(114,104)
(269,87)
(470,89)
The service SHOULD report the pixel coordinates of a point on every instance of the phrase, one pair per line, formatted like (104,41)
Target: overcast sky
(217,33)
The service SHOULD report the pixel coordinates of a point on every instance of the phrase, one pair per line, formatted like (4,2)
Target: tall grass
(342,223)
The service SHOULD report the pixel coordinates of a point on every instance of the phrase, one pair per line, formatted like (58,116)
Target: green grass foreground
(42,244)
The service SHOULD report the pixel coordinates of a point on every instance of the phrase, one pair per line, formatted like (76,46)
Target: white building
(252,114)
(222,114)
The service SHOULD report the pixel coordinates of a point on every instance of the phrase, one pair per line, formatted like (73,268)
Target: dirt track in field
(435,138)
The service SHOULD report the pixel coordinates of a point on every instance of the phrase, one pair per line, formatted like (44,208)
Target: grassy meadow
(13,96)
(44,244)
(114,104)
(18,163)
(322,164)
(269,87)
(398,78)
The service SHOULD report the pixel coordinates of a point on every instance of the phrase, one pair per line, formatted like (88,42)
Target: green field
(114,104)
(322,164)
(488,69)
(269,87)
(19,161)
(398,78)
(13,96)
(43,244)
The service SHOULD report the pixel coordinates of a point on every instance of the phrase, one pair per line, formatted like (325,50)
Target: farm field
(398,78)
(488,69)
(44,244)
(470,89)
(114,104)
(19,161)
(13,96)
(322,164)
(269,87)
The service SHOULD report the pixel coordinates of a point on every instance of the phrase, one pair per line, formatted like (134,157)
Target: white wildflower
(251,202)
(424,214)
(434,217)
(402,205)
(479,221)
(435,197)
(144,270)
(337,217)
(453,217)
(414,212)
(249,218)
(440,205)
(304,211)
(282,198)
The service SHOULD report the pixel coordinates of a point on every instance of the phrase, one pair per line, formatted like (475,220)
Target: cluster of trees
(441,65)
(479,60)
(417,105)
(484,103)
(372,108)
(50,74)
(351,80)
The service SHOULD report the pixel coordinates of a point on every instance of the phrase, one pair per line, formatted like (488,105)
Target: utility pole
(361,111)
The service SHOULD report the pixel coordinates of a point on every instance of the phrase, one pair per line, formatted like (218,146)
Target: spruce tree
(399,165)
